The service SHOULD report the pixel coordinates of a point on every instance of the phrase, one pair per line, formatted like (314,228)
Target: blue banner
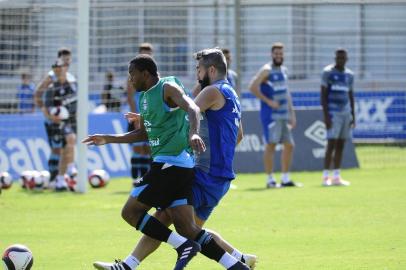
(380,116)
(24,145)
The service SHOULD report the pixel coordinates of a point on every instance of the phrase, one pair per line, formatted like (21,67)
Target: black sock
(150,226)
(210,248)
(139,165)
(53,163)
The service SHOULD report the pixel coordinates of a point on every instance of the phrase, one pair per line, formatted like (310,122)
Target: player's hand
(272,104)
(197,143)
(134,118)
(352,124)
(292,122)
(55,119)
(327,121)
(97,139)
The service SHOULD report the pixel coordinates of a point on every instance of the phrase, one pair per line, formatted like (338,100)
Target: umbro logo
(317,133)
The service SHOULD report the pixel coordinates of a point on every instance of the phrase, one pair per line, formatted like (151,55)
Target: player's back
(219,130)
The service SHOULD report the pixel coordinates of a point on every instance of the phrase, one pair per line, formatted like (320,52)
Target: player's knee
(70,139)
(131,214)
(187,228)
(56,151)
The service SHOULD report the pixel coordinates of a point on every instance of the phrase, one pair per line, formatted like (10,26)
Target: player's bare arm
(175,97)
(138,135)
(210,98)
(292,114)
(351,95)
(323,102)
(262,77)
(240,135)
(39,92)
(196,89)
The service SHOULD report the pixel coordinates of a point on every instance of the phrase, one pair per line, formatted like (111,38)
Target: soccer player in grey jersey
(337,100)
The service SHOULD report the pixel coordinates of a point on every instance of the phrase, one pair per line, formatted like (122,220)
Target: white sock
(60,178)
(336,173)
(271,178)
(325,173)
(132,262)
(285,177)
(71,168)
(175,240)
(227,260)
(237,254)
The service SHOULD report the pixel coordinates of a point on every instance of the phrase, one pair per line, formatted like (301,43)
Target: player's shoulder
(70,77)
(328,68)
(232,72)
(284,69)
(349,71)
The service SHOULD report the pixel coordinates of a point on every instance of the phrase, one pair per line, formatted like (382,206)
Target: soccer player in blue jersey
(337,100)
(221,130)
(141,157)
(270,85)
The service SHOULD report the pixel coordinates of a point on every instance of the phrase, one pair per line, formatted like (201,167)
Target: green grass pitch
(336,228)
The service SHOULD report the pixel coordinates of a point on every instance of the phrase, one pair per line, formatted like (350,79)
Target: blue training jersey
(219,131)
(25,96)
(276,88)
(338,84)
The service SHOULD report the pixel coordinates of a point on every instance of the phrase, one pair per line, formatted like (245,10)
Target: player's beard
(275,63)
(205,81)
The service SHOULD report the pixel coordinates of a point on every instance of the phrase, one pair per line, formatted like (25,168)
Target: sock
(71,168)
(175,240)
(227,260)
(140,164)
(60,180)
(325,173)
(53,163)
(336,173)
(285,177)
(237,254)
(212,250)
(150,226)
(271,178)
(131,261)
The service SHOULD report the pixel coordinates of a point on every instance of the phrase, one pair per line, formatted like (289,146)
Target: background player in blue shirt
(270,85)
(337,100)
(25,94)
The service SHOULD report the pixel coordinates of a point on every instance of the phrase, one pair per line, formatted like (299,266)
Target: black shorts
(56,133)
(165,188)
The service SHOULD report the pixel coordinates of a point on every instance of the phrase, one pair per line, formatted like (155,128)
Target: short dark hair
(143,62)
(212,57)
(277,45)
(145,46)
(341,50)
(64,51)
(225,50)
